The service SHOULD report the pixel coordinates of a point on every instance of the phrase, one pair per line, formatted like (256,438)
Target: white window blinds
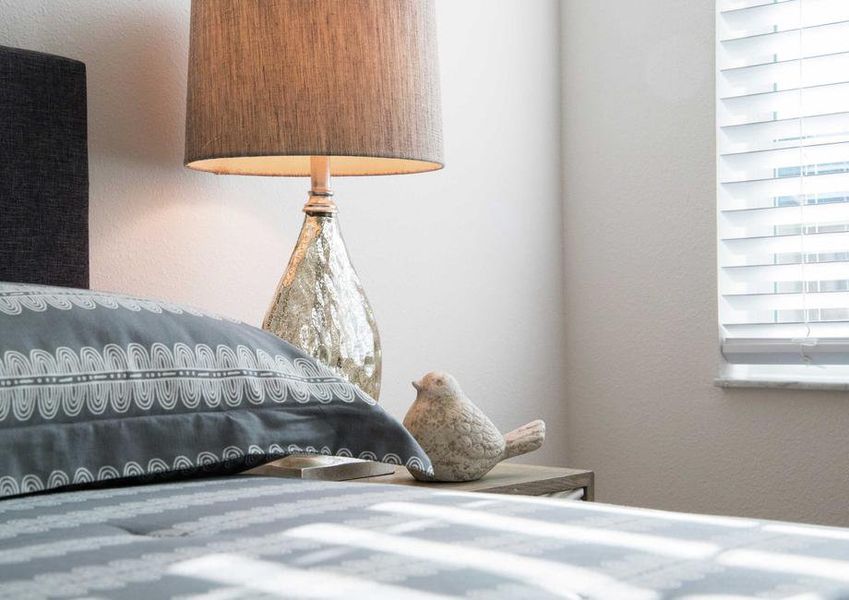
(783,180)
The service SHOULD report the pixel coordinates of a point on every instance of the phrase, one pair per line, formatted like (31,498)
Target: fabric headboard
(43,169)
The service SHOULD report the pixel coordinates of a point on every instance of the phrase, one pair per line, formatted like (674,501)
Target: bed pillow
(97,386)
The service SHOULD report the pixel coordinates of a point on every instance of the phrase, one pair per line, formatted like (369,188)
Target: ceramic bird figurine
(461,441)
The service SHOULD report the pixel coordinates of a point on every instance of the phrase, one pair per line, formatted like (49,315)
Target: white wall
(642,349)
(463,266)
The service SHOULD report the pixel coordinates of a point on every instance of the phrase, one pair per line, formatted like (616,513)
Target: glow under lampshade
(274,82)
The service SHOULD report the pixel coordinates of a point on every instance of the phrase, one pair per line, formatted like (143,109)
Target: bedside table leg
(589,490)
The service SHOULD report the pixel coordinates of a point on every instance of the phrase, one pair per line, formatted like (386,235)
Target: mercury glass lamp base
(321,308)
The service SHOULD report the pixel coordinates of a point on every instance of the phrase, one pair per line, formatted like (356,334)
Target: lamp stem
(321,196)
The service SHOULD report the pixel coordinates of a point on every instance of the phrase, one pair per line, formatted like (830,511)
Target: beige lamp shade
(273,82)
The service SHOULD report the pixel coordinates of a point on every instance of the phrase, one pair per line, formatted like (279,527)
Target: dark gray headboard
(43,169)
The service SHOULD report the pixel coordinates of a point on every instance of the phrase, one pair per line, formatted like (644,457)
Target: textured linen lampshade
(318,88)
(273,82)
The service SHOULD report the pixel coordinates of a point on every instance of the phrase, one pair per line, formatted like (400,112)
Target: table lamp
(316,88)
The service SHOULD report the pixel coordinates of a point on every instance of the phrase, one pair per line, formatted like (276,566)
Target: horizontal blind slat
(786,331)
(784,133)
(784,75)
(814,160)
(784,104)
(760,218)
(842,81)
(795,301)
(779,17)
(796,148)
(753,68)
(819,242)
(781,273)
(783,45)
(733,7)
(763,192)
(790,30)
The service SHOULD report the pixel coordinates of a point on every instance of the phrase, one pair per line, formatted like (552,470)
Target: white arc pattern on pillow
(30,483)
(118,378)
(16,298)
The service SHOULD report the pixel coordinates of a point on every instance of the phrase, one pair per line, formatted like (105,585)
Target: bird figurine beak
(417,385)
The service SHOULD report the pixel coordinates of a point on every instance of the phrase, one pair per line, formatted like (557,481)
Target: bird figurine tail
(526,438)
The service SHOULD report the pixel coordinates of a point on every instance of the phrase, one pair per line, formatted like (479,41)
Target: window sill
(789,377)
(785,384)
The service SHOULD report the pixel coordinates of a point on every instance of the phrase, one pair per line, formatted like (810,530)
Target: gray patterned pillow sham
(97,386)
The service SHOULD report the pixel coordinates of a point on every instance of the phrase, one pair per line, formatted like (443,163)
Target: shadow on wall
(135,54)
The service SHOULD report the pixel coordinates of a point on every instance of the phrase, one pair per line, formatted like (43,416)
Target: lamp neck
(321,197)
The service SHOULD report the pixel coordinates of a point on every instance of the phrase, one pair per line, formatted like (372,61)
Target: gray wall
(463,267)
(641,335)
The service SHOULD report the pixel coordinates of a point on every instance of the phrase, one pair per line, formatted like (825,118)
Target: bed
(249,537)
(125,425)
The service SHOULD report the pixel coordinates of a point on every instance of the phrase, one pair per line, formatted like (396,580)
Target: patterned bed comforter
(255,537)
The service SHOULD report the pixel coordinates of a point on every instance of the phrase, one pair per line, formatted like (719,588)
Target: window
(783,188)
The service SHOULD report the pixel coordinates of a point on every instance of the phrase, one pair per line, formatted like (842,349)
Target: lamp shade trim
(271,165)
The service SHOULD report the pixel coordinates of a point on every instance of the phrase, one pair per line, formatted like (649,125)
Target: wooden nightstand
(510,478)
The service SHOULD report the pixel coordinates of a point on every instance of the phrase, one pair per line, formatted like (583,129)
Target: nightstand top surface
(505,478)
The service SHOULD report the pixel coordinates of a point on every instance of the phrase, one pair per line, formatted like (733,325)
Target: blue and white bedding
(255,537)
